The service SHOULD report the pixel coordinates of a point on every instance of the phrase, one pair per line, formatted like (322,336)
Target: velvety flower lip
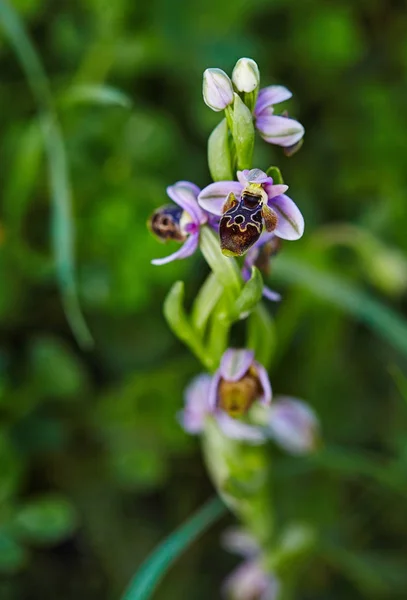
(276,129)
(185,195)
(290,225)
(197,409)
(248,380)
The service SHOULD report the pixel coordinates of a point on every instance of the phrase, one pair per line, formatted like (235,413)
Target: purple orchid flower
(181,222)
(246,206)
(198,409)
(249,581)
(293,425)
(259,256)
(276,129)
(239,381)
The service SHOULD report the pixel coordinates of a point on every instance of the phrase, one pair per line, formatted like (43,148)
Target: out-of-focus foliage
(94,468)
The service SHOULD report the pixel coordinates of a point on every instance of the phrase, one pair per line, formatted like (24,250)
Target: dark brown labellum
(236,397)
(165,223)
(241,226)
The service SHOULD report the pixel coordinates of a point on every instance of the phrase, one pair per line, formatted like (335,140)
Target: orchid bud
(217,89)
(246,75)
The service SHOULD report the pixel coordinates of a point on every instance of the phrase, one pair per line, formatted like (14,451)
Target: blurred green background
(94,468)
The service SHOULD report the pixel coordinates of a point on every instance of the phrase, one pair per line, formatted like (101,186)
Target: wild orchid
(244,212)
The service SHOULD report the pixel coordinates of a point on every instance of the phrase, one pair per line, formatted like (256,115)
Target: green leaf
(178,321)
(347,297)
(243,133)
(224,268)
(45,521)
(261,335)
(152,571)
(219,158)
(205,301)
(96,93)
(250,295)
(275,173)
(62,222)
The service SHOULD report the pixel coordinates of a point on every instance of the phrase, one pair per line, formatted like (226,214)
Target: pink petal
(271,295)
(282,131)
(188,248)
(213,391)
(212,198)
(235,364)
(185,194)
(265,383)
(273,94)
(236,430)
(196,404)
(294,425)
(275,190)
(290,224)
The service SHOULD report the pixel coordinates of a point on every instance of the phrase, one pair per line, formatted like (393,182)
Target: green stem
(225,269)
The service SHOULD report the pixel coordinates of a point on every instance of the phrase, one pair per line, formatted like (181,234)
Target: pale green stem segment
(225,269)
(220,158)
(261,335)
(241,473)
(219,330)
(205,301)
(178,321)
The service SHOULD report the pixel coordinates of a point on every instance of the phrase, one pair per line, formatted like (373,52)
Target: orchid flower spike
(180,222)
(249,205)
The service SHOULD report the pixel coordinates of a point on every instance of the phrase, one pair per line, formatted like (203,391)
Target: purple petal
(240,542)
(212,198)
(290,224)
(242,176)
(185,194)
(294,425)
(249,581)
(196,404)
(235,364)
(273,94)
(186,250)
(282,131)
(236,430)
(265,383)
(275,190)
(271,295)
(257,176)
(213,391)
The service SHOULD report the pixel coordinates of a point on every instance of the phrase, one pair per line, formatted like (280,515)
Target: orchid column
(245,212)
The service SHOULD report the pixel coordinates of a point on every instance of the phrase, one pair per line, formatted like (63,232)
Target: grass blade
(62,222)
(151,572)
(379,318)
